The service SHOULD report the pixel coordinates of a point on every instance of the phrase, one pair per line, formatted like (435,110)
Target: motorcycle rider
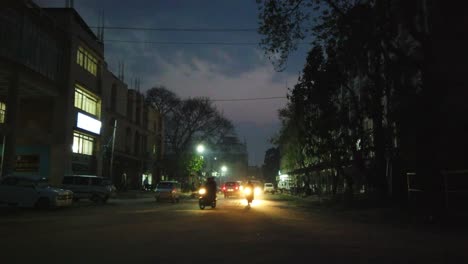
(211,188)
(252,190)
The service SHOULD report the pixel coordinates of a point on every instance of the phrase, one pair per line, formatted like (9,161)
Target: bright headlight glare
(257,190)
(202,191)
(247,191)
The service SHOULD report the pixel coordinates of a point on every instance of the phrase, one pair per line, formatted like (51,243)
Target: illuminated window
(2,112)
(82,143)
(86,101)
(86,60)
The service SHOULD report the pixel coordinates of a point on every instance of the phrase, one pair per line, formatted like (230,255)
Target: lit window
(86,60)
(86,101)
(82,143)
(2,112)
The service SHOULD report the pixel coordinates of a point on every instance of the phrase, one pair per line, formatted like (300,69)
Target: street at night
(274,230)
(120,122)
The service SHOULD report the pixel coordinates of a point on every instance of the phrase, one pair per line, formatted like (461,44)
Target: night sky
(216,71)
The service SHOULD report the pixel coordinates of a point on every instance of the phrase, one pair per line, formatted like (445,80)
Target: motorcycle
(249,195)
(204,200)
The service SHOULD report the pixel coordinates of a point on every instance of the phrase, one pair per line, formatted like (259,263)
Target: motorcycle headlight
(202,191)
(247,191)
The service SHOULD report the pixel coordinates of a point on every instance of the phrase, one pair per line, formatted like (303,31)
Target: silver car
(168,190)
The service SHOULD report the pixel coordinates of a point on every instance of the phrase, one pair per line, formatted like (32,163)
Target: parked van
(95,188)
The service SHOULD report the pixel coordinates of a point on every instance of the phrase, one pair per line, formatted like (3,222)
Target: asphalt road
(143,231)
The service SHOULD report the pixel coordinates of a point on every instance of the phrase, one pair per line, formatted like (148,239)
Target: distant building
(255,173)
(232,154)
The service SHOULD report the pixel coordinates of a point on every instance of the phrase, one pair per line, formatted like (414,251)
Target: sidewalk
(369,213)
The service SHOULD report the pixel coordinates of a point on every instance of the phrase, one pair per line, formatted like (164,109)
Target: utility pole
(112,152)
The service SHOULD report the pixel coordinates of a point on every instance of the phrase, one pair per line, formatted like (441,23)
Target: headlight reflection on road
(257,190)
(255,202)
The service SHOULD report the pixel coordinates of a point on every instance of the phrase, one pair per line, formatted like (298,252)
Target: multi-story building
(133,150)
(59,104)
(81,97)
(50,91)
(31,78)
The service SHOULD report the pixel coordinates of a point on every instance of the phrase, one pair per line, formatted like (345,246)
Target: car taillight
(224,188)
(237,187)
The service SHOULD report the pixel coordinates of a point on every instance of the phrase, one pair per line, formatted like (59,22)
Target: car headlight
(202,191)
(257,190)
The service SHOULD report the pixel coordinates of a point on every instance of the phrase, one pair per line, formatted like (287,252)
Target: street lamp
(200,148)
(223,171)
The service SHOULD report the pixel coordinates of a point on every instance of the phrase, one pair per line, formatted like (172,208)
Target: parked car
(168,190)
(268,188)
(32,191)
(231,189)
(97,189)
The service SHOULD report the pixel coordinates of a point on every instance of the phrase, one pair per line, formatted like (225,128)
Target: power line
(183,29)
(182,42)
(188,42)
(249,99)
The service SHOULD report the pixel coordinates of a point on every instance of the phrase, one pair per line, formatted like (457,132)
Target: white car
(32,191)
(268,187)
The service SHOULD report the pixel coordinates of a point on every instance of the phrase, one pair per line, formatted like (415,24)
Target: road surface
(143,231)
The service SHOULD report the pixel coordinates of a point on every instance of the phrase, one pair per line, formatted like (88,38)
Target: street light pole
(200,150)
(223,171)
(112,153)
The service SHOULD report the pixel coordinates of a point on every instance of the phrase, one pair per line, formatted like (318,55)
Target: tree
(271,164)
(363,42)
(185,122)
(163,101)
(195,118)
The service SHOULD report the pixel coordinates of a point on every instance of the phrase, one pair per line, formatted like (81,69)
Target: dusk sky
(216,71)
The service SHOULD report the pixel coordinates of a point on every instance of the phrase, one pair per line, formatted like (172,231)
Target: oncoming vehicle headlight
(202,191)
(257,190)
(247,191)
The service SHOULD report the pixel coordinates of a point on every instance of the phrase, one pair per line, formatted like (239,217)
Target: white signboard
(88,123)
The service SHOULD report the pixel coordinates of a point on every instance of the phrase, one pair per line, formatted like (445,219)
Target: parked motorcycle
(204,199)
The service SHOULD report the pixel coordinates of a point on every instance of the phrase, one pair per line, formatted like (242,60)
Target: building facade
(233,154)
(59,103)
(130,133)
